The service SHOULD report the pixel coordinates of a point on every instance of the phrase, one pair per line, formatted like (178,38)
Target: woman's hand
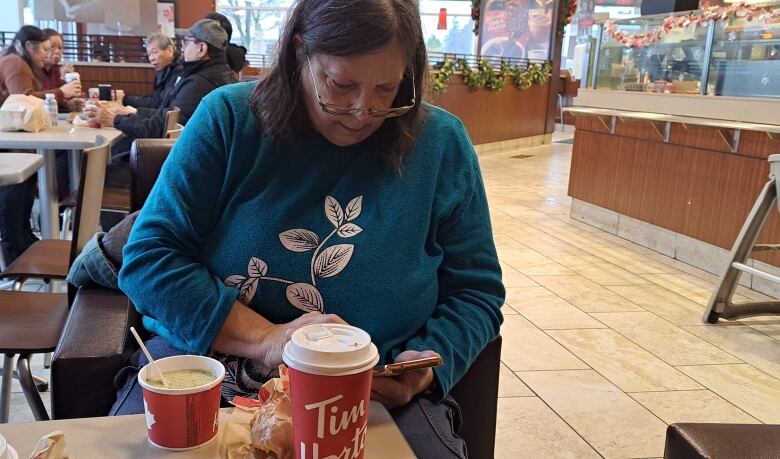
(99,114)
(276,336)
(76,104)
(393,391)
(66,68)
(72,89)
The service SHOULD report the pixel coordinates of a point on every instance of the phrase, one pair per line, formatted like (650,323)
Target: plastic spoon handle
(149,356)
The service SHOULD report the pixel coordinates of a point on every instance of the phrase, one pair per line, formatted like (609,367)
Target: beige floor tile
(608,419)
(504,241)
(769,329)
(525,347)
(666,341)
(530,262)
(663,302)
(575,261)
(752,390)
(686,285)
(608,274)
(692,406)
(514,278)
(692,287)
(753,347)
(547,310)
(635,262)
(585,294)
(527,428)
(622,362)
(510,385)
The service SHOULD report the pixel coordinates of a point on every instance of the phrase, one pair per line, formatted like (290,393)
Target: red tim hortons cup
(186,418)
(330,368)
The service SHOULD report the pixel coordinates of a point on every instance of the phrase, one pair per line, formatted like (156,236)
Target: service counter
(512,118)
(675,173)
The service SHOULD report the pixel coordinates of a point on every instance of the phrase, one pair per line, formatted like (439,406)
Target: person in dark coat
(204,69)
(167,62)
(236,55)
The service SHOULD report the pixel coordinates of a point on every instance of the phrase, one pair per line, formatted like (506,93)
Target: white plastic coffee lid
(330,349)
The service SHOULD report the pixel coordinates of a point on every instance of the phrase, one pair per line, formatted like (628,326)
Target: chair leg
(720,302)
(5,387)
(30,391)
(47,360)
(66,217)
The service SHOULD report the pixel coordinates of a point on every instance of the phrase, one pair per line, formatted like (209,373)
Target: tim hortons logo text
(328,417)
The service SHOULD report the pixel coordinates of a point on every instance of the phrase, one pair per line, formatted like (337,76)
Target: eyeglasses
(184,41)
(356,112)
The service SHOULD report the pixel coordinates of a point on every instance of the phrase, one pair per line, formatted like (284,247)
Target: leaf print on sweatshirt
(325,261)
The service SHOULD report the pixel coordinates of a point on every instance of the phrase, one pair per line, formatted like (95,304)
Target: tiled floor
(603,339)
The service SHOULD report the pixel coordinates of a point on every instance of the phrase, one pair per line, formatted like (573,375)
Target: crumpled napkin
(51,446)
(262,428)
(75,119)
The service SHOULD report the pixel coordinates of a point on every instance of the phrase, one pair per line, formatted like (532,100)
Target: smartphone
(392,369)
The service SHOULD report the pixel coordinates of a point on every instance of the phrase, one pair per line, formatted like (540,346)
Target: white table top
(706,122)
(125,437)
(18,167)
(64,136)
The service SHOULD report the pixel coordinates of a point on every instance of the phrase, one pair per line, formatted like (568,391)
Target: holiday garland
(718,13)
(475,9)
(485,75)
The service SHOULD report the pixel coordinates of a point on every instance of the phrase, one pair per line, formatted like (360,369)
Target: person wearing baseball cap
(204,69)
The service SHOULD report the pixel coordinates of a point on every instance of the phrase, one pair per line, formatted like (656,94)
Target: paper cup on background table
(182,419)
(330,368)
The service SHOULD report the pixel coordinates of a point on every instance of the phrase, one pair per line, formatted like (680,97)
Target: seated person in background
(22,68)
(236,55)
(54,73)
(21,72)
(326,192)
(204,69)
(166,60)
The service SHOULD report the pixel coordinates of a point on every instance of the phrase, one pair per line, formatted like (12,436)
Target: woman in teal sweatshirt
(327,192)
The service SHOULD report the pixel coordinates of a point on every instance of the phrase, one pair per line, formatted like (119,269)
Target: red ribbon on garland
(717,13)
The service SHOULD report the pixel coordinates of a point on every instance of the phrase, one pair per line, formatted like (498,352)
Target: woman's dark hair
(25,34)
(345,28)
(51,33)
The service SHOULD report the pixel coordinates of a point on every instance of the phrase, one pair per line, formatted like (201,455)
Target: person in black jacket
(167,61)
(204,69)
(236,55)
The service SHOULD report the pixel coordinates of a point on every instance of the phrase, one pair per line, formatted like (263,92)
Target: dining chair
(16,168)
(47,258)
(31,322)
(175,132)
(118,199)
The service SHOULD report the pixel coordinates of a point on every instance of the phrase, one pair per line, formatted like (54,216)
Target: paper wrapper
(262,428)
(51,446)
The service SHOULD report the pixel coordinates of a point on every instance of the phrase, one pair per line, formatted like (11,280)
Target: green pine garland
(485,75)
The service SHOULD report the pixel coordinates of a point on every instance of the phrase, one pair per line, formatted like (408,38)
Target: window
(256,24)
(458,37)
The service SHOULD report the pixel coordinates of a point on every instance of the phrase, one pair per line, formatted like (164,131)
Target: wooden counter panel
(701,193)
(492,117)
(134,80)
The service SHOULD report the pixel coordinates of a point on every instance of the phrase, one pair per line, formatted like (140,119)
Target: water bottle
(50,104)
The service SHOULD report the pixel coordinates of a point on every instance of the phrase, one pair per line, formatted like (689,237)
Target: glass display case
(733,57)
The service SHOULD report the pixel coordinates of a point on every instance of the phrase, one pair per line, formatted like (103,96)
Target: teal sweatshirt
(308,226)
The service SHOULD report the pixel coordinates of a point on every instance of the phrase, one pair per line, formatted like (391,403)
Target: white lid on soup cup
(331,350)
